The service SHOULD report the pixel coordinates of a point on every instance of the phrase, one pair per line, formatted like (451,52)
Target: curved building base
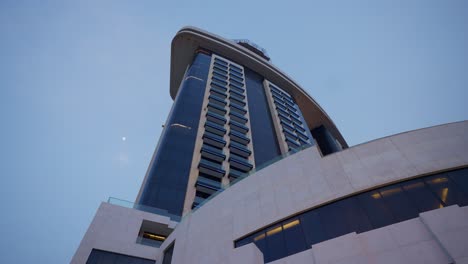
(399,199)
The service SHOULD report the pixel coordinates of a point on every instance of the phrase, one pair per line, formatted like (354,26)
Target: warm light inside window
(274,231)
(439,180)
(444,195)
(376,195)
(154,236)
(414,185)
(389,192)
(261,236)
(291,224)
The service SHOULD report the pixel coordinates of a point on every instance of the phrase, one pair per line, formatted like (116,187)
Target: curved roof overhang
(189,39)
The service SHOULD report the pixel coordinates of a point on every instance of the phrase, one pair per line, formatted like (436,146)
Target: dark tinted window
(105,257)
(460,177)
(446,190)
(354,216)
(399,204)
(377,212)
(332,221)
(294,236)
(370,210)
(421,196)
(167,258)
(312,226)
(276,246)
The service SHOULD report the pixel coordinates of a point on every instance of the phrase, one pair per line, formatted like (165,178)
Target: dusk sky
(84,90)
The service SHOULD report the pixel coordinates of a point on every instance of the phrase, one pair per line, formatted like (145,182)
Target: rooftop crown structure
(250,169)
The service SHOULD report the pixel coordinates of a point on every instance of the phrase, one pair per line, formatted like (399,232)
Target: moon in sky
(124,138)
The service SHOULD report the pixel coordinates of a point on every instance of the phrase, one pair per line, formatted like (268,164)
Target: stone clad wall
(305,180)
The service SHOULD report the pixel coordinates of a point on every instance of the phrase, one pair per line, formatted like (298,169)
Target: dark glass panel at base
(460,177)
(294,236)
(264,138)
(275,244)
(360,213)
(446,190)
(399,203)
(421,196)
(312,226)
(98,256)
(353,214)
(377,212)
(332,221)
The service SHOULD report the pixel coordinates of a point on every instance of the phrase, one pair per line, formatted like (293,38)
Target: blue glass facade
(168,175)
(264,140)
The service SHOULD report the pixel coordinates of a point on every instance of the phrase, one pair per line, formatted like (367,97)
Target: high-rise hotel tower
(250,169)
(233,111)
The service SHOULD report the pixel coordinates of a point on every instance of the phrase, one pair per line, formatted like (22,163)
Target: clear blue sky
(77,77)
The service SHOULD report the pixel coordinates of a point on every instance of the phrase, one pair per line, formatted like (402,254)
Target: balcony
(237,83)
(215,118)
(218,83)
(302,135)
(234,68)
(238,127)
(299,127)
(239,75)
(239,87)
(211,168)
(296,119)
(221,61)
(235,174)
(239,149)
(216,109)
(289,133)
(212,153)
(238,117)
(237,109)
(293,113)
(292,143)
(236,78)
(284,117)
(218,92)
(240,163)
(287,125)
(219,79)
(220,69)
(277,97)
(282,108)
(236,136)
(237,100)
(289,104)
(237,93)
(207,186)
(217,100)
(219,75)
(213,140)
(239,106)
(221,87)
(143,208)
(197,201)
(275,92)
(304,142)
(214,128)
